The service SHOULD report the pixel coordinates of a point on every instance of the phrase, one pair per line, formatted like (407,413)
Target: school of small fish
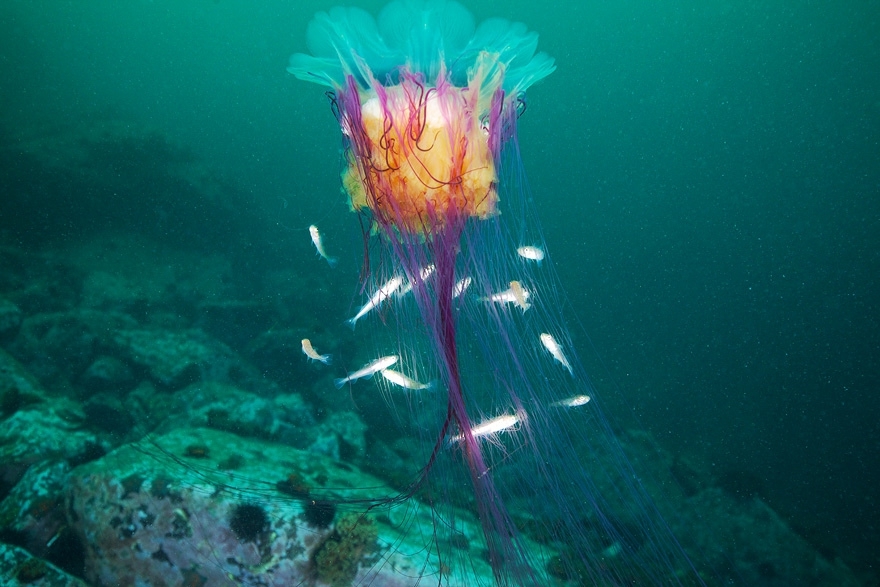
(515,294)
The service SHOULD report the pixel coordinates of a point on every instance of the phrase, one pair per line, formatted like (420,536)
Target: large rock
(59,347)
(107,374)
(757,543)
(202,507)
(32,514)
(285,418)
(739,537)
(19,568)
(18,388)
(56,346)
(10,319)
(173,359)
(36,427)
(41,440)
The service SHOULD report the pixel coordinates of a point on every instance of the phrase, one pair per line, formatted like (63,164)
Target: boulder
(10,319)
(19,568)
(204,507)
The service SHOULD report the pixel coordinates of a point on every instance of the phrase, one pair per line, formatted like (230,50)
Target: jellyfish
(428,104)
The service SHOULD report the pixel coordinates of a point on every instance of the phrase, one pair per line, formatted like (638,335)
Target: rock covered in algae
(32,514)
(204,507)
(19,568)
(18,388)
(175,359)
(10,319)
(56,347)
(40,441)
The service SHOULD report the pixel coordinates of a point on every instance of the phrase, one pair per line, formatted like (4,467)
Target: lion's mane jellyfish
(428,105)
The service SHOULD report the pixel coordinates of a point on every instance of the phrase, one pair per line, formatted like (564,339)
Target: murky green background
(707,175)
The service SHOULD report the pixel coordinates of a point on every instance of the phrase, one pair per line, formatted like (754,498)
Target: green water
(707,173)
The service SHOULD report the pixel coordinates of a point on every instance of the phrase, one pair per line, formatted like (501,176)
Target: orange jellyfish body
(421,154)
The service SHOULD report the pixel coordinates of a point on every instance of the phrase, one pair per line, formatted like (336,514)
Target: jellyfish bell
(425,102)
(420,157)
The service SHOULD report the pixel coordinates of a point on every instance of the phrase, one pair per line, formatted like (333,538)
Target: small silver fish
(384,292)
(515,294)
(535,254)
(491,426)
(572,402)
(404,381)
(424,274)
(520,295)
(367,370)
(319,245)
(555,350)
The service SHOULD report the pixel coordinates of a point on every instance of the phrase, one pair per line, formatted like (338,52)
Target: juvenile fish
(380,296)
(491,426)
(556,351)
(319,245)
(515,294)
(424,274)
(401,380)
(535,254)
(367,370)
(312,354)
(572,402)
(520,295)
